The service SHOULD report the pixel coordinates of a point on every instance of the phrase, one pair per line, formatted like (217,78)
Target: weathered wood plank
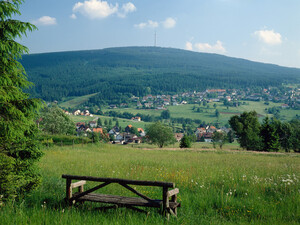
(172,212)
(165,202)
(68,189)
(78,184)
(75,197)
(173,192)
(174,199)
(174,205)
(120,200)
(117,180)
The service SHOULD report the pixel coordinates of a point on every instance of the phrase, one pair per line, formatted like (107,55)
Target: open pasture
(207,114)
(216,187)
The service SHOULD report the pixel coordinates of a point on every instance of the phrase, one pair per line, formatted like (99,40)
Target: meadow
(122,122)
(216,186)
(73,102)
(208,114)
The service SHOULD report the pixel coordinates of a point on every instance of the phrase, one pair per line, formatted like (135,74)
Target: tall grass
(216,187)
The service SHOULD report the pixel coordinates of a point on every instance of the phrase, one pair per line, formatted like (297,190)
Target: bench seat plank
(121,200)
(118,180)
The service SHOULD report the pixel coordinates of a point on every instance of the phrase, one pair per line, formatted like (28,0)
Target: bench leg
(165,202)
(174,199)
(69,191)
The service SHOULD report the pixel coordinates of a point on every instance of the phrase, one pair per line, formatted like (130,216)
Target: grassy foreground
(216,187)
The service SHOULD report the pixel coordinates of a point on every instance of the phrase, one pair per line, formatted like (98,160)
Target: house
(178,136)
(285,106)
(129,138)
(128,128)
(67,112)
(86,113)
(120,138)
(98,130)
(148,105)
(126,138)
(228,98)
(141,131)
(211,129)
(93,124)
(114,131)
(137,140)
(137,118)
(76,112)
(79,124)
(87,129)
(208,137)
(199,132)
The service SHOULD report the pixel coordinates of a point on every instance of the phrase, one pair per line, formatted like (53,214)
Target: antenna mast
(155,38)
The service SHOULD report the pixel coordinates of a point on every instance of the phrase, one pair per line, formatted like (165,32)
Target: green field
(216,187)
(122,122)
(74,102)
(208,114)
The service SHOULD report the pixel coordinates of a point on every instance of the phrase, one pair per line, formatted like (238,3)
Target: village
(289,97)
(137,135)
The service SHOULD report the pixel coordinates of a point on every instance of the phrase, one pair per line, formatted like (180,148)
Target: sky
(259,30)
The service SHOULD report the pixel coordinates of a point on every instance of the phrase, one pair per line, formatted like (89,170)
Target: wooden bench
(167,205)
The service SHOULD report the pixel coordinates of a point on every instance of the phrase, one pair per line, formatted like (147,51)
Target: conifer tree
(247,128)
(19,149)
(99,122)
(270,139)
(185,142)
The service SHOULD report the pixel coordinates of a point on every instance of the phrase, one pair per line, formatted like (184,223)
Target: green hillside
(118,73)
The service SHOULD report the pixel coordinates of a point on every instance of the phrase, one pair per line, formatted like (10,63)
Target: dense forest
(118,73)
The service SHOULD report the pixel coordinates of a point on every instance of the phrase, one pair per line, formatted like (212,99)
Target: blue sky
(259,30)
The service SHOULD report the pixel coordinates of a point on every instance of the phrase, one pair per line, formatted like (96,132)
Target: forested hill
(116,73)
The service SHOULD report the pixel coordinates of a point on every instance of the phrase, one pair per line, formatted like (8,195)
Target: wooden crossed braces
(168,206)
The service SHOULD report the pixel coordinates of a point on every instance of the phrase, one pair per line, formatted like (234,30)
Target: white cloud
(129,7)
(206,47)
(95,9)
(148,24)
(189,46)
(169,23)
(45,21)
(140,25)
(269,37)
(73,16)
